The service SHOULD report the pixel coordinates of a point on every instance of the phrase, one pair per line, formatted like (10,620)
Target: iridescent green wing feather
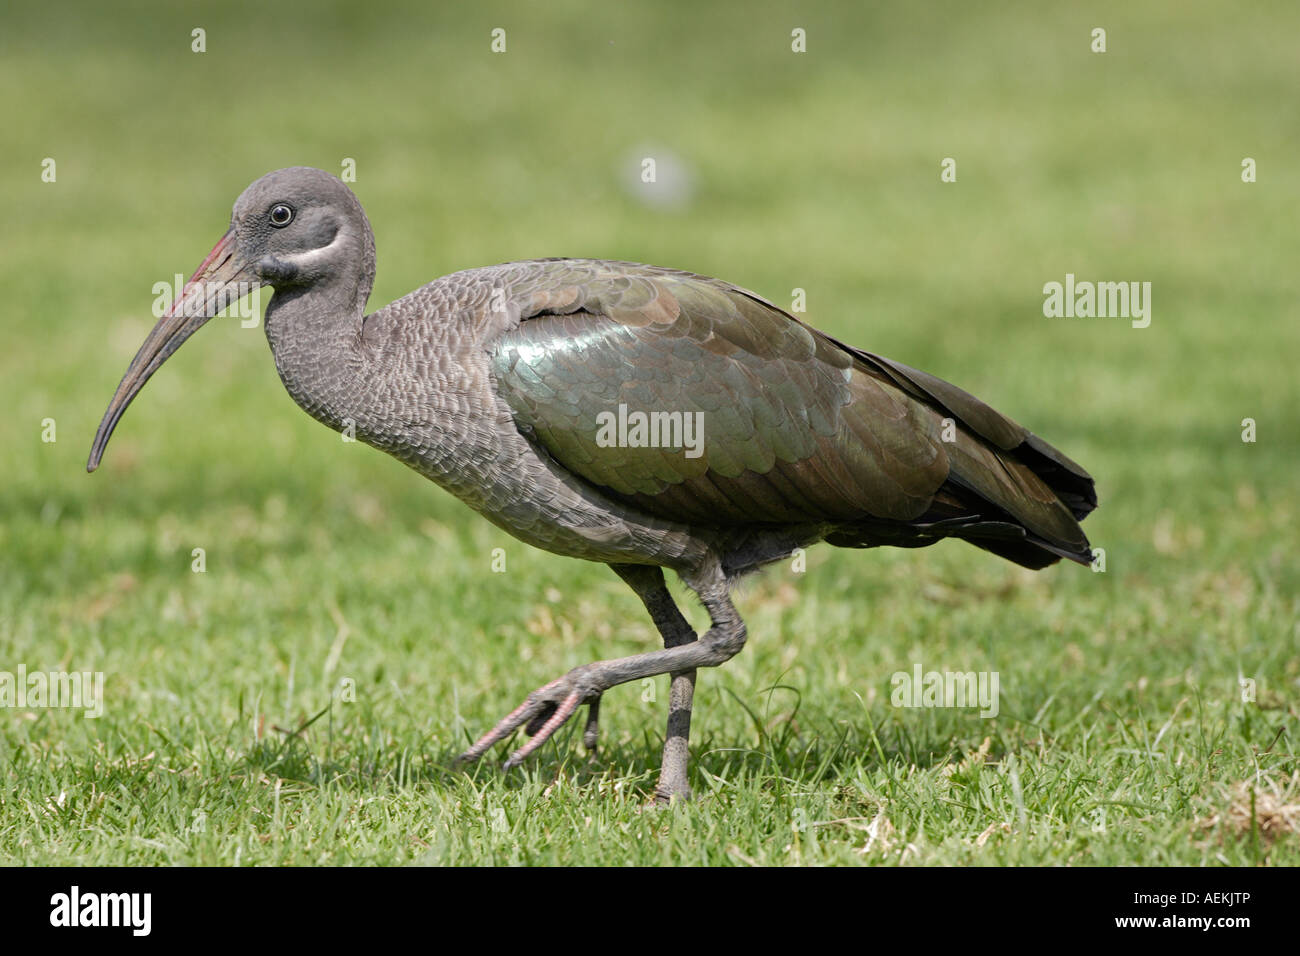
(792,431)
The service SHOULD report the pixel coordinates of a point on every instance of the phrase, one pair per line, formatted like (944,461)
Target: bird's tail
(1008,491)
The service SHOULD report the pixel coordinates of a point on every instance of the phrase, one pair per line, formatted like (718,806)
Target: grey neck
(315,337)
(315,330)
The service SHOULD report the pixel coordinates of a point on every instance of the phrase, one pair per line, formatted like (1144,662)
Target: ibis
(644,417)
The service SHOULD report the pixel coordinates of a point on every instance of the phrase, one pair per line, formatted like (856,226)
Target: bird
(644,417)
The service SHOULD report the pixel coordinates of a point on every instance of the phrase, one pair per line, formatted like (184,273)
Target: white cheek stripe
(312,256)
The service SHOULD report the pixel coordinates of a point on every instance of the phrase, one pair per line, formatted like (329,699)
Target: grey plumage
(491,382)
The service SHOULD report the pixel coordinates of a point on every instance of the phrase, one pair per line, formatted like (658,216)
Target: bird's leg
(556,702)
(591,733)
(648,583)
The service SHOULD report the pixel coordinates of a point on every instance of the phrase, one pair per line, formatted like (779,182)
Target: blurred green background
(1122,727)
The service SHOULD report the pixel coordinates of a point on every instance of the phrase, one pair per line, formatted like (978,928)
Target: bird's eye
(281,215)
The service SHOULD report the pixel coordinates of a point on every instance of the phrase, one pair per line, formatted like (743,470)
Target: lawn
(299,700)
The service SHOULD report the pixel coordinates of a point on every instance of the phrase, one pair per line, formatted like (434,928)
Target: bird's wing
(1066,479)
(795,427)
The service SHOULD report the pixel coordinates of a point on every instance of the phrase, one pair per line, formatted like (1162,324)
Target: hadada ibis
(639,416)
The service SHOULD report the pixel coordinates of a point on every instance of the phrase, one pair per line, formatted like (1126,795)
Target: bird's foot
(544,712)
(672,788)
(591,733)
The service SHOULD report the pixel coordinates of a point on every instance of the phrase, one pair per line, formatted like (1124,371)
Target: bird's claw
(544,712)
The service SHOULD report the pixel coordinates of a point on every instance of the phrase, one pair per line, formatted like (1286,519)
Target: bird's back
(606,366)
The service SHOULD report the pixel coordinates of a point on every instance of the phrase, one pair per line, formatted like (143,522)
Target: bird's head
(293,229)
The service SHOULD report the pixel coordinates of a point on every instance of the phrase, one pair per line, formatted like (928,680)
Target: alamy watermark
(129,910)
(626,429)
(1102,300)
(243,299)
(946,689)
(79,690)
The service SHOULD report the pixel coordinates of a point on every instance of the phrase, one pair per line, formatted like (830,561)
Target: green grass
(1122,736)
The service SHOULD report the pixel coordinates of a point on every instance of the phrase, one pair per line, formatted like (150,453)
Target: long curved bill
(215,285)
